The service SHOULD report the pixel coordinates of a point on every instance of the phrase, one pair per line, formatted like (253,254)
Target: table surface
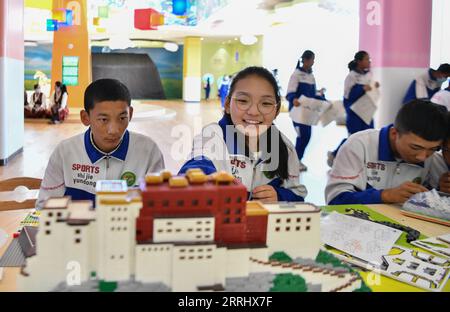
(10,221)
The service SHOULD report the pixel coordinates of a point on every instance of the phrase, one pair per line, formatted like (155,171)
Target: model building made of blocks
(188,233)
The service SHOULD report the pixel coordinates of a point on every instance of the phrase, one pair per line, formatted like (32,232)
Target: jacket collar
(95,154)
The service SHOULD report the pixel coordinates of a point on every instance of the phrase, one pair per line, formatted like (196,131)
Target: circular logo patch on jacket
(130,177)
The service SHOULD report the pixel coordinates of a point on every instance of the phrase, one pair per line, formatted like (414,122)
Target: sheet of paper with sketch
(332,113)
(366,106)
(309,111)
(366,240)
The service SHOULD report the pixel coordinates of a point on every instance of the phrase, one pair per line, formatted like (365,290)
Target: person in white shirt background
(443,97)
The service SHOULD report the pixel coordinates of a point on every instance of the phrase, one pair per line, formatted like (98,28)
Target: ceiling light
(248,40)
(171,46)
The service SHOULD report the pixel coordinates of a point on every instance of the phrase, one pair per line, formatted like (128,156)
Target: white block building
(182,254)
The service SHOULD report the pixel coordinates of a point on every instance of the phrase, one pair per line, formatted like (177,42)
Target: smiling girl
(246,144)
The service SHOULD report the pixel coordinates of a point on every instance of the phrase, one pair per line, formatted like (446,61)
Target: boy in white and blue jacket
(388,165)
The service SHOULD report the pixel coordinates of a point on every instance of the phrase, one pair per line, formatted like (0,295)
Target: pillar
(192,69)
(11,79)
(73,41)
(397,35)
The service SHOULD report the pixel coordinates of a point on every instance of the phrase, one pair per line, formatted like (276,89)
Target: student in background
(106,151)
(207,88)
(388,165)
(246,144)
(58,103)
(224,88)
(357,84)
(443,97)
(302,82)
(427,84)
(440,165)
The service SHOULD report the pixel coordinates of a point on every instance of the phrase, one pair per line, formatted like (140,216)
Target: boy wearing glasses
(388,165)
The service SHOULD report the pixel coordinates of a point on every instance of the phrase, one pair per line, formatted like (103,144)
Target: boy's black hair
(282,152)
(105,90)
(424,119)
(445,69)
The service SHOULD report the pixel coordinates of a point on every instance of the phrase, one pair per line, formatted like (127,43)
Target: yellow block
(59,15)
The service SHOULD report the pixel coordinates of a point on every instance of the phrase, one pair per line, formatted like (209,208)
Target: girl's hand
(377,84)
(296,103)
(265,194)
(367,88)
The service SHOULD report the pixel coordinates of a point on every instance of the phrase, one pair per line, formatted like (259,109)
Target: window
(160,231)
(237,220)
(288,220)
(59,214)
(151,203)
(113,219)
(226,220)
(227,200)
(239,200)
(209,202)
(207,236)
(70,70)
(78,231)
(112,257)
(182,250)
(50,214)
(169,230)
(199,229)
(118,209)
(112,229)
(277,229)
(288,228)
(77,241)
(169,223)
(297,228)
(182,258)
(227,211)
(430,271)
(208,257)
(278,220)
(190,230)
(308,219)
(180,203)
(299,220)
(165,203)
(178,230)
(308,228)
(47,232)
(198,236)
(199,222)
(47,223)
(238,211)
(195,202)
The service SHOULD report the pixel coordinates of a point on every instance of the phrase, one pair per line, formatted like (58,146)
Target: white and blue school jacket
(365,166)
(354,86)
(215,149)
(437,169)
(423,87)
(442,98)
(302,83)
(77,164)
